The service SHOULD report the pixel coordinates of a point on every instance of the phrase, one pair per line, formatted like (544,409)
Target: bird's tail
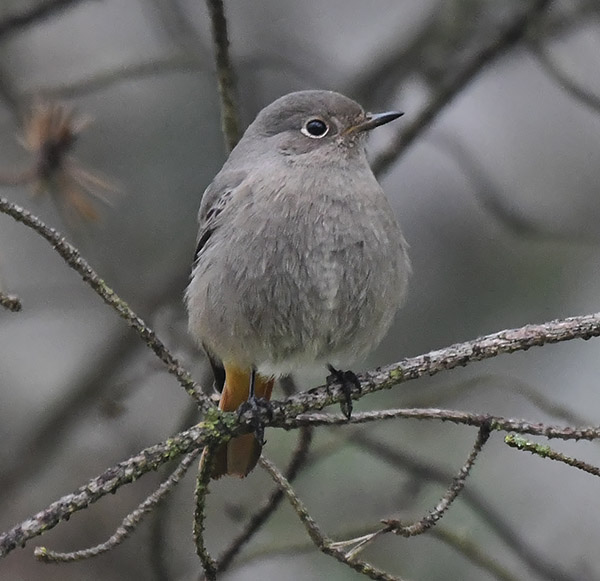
(240,455)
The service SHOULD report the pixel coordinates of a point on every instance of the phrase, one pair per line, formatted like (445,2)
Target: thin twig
(457,355)
(160,544)
(109,481)
(10,302)
(298,460)
(511,536)
(225,77)
(321,541)
(496,423)
(72,257)
(543,451)
(223,426)
(453,491)
(428,521)
(498,45)
(202,482)
(129,524)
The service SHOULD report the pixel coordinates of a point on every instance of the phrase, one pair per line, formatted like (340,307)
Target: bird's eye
(315,128)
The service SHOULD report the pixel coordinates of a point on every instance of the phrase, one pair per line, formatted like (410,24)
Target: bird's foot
(251,410)
(348,382)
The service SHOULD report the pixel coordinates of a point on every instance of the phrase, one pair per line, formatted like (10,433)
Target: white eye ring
(315,128)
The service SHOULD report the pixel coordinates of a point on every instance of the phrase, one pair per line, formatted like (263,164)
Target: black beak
(375,120)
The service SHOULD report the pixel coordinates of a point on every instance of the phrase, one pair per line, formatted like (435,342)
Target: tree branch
(520,443)
(74,260)
(458,483)
(497,46)
(130,522)
(225,77)
(496,423)
(109,481)
(219,426)
(299,457)
(202,482)
(520,545)
(321,541)
(457,355)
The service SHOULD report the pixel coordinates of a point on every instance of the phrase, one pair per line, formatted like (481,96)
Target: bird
(300,261)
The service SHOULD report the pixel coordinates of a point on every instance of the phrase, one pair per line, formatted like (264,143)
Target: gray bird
(300,261)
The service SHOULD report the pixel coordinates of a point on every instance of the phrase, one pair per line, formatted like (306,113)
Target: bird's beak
(373,120)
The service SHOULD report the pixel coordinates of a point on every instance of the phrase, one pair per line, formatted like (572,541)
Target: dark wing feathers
(214,201)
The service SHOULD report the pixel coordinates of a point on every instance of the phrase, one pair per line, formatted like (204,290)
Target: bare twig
(464,545)
(109,481)
(496,423)
(10,302)
(497,46)
(321,541)
(457,355)
(290,413)
(72,257)
(299,457)
(520,443)
(129,524)
(202,482)
(427,522)
(229,114)
(160,543)
(511,536)
(455,488)
(35,12)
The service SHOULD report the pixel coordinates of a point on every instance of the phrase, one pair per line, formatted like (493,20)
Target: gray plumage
(300,260)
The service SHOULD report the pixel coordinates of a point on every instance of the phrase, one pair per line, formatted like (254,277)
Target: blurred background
(498,198)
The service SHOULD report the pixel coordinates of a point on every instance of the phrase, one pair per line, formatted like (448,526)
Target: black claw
(254,406)
(348,381)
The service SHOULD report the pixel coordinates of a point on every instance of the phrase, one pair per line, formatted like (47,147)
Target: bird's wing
(214,201)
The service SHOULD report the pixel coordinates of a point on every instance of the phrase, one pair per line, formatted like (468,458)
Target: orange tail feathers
(240,455)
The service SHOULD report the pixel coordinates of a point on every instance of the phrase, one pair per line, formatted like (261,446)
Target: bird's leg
(253,407)
(347,381)
(252,386)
